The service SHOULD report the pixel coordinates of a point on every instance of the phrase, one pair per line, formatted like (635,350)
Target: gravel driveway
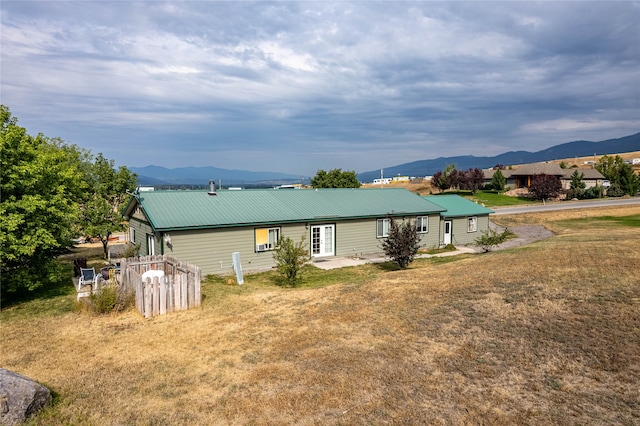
(524,235)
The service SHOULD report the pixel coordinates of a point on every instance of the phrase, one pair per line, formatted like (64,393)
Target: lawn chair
(87,277)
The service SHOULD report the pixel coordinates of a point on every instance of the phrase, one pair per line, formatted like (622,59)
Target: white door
(151,245)
(447,232)
(322,241)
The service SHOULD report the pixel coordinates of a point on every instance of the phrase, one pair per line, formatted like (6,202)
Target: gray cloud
(299,86)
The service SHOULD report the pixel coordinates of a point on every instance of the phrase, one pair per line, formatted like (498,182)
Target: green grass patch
(447,248)
(632,221)
(52,299)
(492,198)
(496,199)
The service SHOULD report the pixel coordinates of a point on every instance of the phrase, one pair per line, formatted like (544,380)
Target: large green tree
(335,178)
(619,173)
(104,200)
(40,180)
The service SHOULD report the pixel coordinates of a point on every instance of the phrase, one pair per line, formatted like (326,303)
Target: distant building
(383,181)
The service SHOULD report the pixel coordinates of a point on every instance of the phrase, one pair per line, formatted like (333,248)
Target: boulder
(20,397)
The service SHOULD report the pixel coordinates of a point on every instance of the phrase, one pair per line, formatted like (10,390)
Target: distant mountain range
(565,150)
(200,176)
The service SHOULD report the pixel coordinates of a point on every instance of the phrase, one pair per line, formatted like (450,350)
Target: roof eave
(291,221)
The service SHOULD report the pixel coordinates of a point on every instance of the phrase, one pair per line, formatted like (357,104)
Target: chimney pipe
(212,187)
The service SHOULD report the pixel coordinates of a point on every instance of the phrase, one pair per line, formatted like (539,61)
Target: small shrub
(133,250)
(615,190)
(402,244)
(110,298)
(491,238)
(593,192)
(290,258)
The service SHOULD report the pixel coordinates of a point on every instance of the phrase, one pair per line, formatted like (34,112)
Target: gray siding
(211,249)
(142,230)
(460,235)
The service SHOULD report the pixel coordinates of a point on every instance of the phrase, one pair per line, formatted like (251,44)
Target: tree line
(472,179)
(52,192)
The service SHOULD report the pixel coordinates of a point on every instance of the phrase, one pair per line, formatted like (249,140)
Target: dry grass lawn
(543,334)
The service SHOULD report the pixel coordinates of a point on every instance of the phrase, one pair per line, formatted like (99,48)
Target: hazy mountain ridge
(565,150)
(158,176)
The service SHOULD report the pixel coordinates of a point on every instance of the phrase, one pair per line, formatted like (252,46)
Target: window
(422,224)
(383,227)
(132,234)
(266,238)
(472,224)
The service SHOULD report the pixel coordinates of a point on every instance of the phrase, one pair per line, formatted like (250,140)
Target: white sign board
(237,266)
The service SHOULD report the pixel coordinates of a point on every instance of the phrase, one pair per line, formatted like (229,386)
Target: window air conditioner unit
(261,247)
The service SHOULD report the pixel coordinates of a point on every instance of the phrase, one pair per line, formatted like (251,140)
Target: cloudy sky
(300,86)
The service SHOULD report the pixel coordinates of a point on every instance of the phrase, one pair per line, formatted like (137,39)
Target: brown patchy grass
(543,334)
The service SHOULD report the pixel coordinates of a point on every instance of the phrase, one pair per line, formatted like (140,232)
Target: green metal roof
(172,210)
(457,206)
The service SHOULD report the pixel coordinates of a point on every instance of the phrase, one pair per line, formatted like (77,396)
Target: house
(205,228)
(382,181)
(521,176)
(462,221)
(590,178)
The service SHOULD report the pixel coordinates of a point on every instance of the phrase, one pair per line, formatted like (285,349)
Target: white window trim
(267,247)
(132,234)
(472,224)
(424,222)
(381,223)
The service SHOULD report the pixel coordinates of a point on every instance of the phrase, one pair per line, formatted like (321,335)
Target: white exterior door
(322,240)
(447,232)
(151,245)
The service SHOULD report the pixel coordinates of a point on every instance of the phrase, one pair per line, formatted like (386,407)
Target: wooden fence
(178,289)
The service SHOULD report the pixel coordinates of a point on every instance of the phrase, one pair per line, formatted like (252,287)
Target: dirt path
(524,235)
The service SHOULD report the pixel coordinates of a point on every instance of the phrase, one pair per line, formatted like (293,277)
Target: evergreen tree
(335,178)
(576,186)
(498,181)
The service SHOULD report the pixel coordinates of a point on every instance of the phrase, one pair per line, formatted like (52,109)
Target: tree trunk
(105,245)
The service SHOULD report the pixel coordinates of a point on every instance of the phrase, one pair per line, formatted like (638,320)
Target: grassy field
(547,333)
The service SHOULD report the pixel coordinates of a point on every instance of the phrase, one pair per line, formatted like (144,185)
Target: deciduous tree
(402,243)
(103,203)
(40,180)
(335,178)
(290,258)
(544,186)
(619,173)
(473,179)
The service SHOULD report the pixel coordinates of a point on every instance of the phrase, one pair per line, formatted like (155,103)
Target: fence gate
(161,284)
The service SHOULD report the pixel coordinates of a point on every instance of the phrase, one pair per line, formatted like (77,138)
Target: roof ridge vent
(212,188)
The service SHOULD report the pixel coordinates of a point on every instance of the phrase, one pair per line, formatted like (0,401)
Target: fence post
(147,298)
(163,295)
(185,284)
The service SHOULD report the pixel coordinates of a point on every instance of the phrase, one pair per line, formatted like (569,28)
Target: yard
(547,333)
